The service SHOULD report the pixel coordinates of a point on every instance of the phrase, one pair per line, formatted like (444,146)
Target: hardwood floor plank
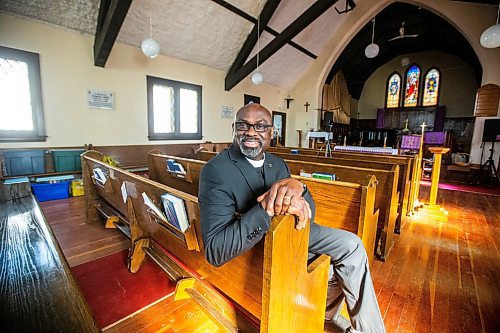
(81,242)
(440,276)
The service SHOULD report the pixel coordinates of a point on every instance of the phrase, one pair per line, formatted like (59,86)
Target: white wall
(67,71)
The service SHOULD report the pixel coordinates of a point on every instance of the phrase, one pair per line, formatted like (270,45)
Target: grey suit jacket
(232,221)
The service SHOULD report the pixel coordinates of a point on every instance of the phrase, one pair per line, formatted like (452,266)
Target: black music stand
(488,167)
(327,144)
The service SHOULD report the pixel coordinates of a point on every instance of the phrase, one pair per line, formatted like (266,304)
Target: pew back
(250,279)
(37,290)
(348,206)
(407,165)
(386,196)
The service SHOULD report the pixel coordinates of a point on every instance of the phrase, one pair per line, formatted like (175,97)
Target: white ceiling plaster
(198,31)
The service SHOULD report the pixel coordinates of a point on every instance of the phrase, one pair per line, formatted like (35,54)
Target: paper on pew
(99,175)
(124,192)
(148,202)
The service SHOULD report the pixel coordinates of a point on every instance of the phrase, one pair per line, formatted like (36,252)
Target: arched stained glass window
(411,87)
(393,91)
(431,87)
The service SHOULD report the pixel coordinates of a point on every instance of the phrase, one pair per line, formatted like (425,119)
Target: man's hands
(285,197)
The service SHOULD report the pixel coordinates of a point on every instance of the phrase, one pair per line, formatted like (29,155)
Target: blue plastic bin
(54,191)
(24,162)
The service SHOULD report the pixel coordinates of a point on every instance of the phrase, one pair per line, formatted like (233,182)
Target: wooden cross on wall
(307,106)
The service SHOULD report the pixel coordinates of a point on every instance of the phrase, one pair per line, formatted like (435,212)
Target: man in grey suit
(243,187)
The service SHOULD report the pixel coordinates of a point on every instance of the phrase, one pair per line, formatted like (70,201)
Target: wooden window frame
(176,85)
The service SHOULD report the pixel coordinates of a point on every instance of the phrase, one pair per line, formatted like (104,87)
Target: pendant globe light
(149,46)
(371,51)
(257,77)
(490,38)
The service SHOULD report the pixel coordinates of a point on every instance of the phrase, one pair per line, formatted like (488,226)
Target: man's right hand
(297,206)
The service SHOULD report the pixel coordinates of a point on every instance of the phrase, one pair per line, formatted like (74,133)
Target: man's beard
(250,153)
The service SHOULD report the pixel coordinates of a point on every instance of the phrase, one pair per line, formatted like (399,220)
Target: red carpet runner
(112,292)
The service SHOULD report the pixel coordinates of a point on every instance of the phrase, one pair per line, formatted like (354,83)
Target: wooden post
(432,209)
(299,131)
(436,170)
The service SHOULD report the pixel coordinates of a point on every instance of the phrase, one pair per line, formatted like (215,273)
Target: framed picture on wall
(250,98)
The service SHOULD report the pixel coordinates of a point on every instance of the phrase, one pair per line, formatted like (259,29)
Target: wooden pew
(135,156)
(386,196)
(37,290)
(340,205)
(260,282)
(407,172)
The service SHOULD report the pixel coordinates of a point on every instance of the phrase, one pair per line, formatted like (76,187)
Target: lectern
(431,208)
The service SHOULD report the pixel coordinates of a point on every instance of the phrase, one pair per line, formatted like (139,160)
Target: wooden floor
(80,242)
(439,277)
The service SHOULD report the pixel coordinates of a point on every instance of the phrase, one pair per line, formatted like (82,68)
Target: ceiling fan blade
(397,37)
(411,35)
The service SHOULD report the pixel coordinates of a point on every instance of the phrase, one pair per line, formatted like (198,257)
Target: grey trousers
(351,277)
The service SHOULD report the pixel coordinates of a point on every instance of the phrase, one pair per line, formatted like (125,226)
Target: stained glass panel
(411,89)
(431,88)
(393,89)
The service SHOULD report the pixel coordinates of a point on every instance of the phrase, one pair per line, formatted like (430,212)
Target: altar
(324,135)
(367,150)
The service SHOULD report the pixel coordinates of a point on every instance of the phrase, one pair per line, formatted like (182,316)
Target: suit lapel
(253,179)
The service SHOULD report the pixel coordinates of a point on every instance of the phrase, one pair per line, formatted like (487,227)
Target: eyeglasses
(244,126)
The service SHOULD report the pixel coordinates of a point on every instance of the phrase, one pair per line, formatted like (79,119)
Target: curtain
(336,99)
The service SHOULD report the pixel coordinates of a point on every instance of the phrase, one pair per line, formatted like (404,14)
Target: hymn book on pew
(324,176)
(175,167)
(318,175)
(175,210)
(157,211)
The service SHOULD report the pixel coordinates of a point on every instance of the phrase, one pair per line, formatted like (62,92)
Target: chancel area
(386,112)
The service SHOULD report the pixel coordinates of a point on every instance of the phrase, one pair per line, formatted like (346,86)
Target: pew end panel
(91,197)
(353,202)
(293,307)
(386,195)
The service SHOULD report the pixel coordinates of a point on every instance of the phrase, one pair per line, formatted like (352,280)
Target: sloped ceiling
(208,32)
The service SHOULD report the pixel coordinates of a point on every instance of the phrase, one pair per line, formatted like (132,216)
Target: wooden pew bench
(340,205)
(37,290)
(406,171)
(386,196)
(259,282)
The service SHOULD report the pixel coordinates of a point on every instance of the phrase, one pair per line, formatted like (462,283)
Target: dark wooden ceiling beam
(311,14)
(246,49)
(270,30)
(111,16)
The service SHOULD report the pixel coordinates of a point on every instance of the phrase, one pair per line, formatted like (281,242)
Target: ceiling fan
(402,33)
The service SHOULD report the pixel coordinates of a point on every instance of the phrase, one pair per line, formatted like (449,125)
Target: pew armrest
(293,294)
